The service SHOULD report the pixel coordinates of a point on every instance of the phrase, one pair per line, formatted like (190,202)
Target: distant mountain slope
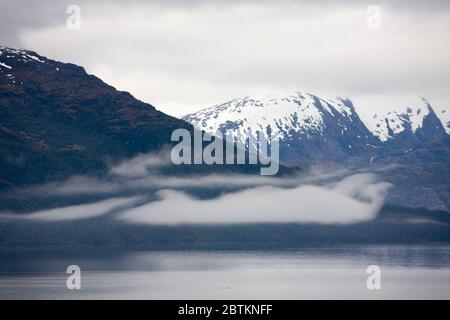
(421,176)
(444,115)
(312,129)
(407,125)
(309,128)
(408,146)
(57,120)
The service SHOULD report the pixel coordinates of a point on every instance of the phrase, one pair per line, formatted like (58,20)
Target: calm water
(332,272)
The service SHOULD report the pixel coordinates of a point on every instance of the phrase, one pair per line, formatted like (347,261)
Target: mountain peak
(19,55)
(402,118)
(57,120)
(275,114)
(314,128)
(300,120)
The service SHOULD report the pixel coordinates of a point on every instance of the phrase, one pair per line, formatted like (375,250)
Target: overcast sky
(185,55)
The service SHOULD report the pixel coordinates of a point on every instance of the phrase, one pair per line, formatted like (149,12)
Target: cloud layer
(154,198)
(354,199)
(182,56)
(77,212)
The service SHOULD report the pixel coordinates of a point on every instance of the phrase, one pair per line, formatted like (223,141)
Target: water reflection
(319,272)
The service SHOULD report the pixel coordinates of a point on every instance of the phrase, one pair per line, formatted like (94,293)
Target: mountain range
(316,130)
(408,146)
(58,121)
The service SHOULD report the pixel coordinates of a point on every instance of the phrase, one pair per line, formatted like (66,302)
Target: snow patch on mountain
(276,116)
(4,65)
(9,58)
(384,125)
(282,115)
(444,115)
(19,55)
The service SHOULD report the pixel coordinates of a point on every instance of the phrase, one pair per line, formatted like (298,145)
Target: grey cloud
(357,198)
(321,197)
(182,56)
(134,175)
(18,16)
(138,166)
(80,185)
(76,212)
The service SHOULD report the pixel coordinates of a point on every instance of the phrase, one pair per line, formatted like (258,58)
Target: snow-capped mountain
(415,118)
(278,116)
(314,128)
(386,126)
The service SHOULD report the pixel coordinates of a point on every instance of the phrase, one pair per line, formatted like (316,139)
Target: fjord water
(339,272)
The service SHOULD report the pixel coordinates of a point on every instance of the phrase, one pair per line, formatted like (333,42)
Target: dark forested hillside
(56,120)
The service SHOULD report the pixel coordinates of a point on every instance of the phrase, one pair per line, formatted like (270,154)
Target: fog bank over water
(137,191)
(353,199)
